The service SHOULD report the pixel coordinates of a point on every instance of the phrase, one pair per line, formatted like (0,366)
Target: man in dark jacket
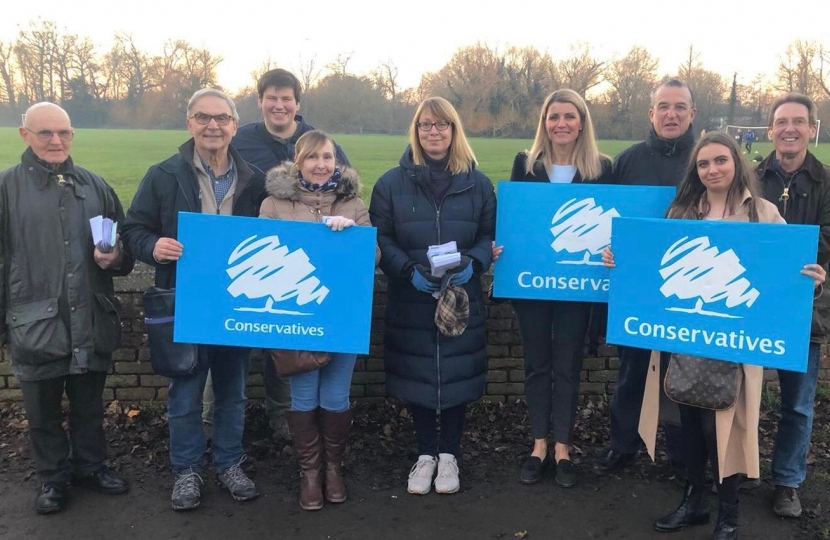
(267,144)
(660,160)
(207,176)
(59,312)
(794,180)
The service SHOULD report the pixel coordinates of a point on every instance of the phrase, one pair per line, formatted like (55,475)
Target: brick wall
(131,378)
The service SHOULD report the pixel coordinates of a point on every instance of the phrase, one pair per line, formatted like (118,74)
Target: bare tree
(633,78)
(340,64)
(309,71)
(582,70)
(796,69)
(8,90)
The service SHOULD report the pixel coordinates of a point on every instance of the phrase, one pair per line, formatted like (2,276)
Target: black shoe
(693,510)
(52,498)
(787,503)
(612,461)
(565,473)
(105,481)
(727,526)
(532,469)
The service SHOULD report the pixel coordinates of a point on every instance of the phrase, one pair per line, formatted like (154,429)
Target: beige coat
(736,428)
(289,200)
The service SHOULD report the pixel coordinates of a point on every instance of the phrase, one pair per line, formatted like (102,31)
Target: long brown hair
(691,201)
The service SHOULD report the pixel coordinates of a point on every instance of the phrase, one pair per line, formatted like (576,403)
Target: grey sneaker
(787,503)
(240,486)
(187,491)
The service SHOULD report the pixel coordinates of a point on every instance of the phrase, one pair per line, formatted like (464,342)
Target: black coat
(808,204)
(655,161)
(171,187)
(423,367)
(57,306)
(259,148)
(539,174)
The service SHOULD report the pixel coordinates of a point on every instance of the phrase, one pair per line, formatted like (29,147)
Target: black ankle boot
(693,510)
(727,527)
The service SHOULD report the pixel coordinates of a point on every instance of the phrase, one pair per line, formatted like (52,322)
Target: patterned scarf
(330,185)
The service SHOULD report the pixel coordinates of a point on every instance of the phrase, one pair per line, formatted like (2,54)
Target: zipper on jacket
(438,207)
(785,195)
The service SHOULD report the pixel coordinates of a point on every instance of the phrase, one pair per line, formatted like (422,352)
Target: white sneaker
(447,479)
(420,477)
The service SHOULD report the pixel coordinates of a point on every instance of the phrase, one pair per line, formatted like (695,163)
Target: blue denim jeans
(229,372)
(327,387)
(798,394)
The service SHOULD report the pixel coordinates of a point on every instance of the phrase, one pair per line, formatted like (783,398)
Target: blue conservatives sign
(274,284)
(724,290)
(553,235)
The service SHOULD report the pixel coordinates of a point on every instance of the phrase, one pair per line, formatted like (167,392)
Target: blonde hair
(307,144)
(586,156)
(461,156)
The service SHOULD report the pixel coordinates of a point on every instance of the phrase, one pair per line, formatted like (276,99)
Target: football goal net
(739,132)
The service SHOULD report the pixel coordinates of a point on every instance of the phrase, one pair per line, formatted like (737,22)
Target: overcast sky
(730,35)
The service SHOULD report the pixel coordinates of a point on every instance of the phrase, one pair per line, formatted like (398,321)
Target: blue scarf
(330,185)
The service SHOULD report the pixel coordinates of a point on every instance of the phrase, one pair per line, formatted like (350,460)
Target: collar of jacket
(420,173)
(244,174)
(40,171)
(281,184)
(812,166)
(669,147)
(301,129)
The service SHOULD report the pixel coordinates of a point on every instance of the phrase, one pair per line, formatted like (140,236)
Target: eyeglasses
(204,119)
(46,135)
(427,126)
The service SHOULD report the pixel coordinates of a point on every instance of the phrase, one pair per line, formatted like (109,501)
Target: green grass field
(122,156)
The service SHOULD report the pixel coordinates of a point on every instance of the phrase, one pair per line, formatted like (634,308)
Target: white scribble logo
(582,227)
(265,269)
(692,269)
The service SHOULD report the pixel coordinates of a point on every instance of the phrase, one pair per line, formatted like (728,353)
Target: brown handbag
(702,382)
(288,362)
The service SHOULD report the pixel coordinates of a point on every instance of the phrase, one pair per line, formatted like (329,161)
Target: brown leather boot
(335,427)
(307,445)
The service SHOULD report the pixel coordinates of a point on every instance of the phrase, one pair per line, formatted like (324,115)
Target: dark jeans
(42,400)
(552,365)
(432,440)
(702,444)
(628,400)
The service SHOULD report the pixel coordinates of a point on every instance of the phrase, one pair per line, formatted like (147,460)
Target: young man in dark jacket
(794,180)
(660,160)
(57,307)
(206,176)
(266,145)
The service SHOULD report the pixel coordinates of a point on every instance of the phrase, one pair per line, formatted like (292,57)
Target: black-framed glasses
(45,135)
(440,126)
(204,119)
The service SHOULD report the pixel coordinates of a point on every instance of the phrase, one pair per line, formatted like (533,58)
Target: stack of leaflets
(103,233)
(443,257)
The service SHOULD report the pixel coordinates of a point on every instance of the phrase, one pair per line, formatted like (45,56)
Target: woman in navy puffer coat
(434,196)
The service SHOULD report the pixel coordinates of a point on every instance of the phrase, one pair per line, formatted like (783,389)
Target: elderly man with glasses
(208,176)
(58,312)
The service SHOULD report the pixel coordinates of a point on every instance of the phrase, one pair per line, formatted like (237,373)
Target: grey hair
(215,93)
(675,83)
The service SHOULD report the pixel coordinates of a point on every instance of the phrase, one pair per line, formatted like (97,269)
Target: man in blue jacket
(206,176)
(660,160)
(266,145)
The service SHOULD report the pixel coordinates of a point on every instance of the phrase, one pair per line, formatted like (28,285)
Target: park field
(122,156)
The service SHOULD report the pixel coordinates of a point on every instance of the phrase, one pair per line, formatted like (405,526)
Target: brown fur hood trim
(281,184)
